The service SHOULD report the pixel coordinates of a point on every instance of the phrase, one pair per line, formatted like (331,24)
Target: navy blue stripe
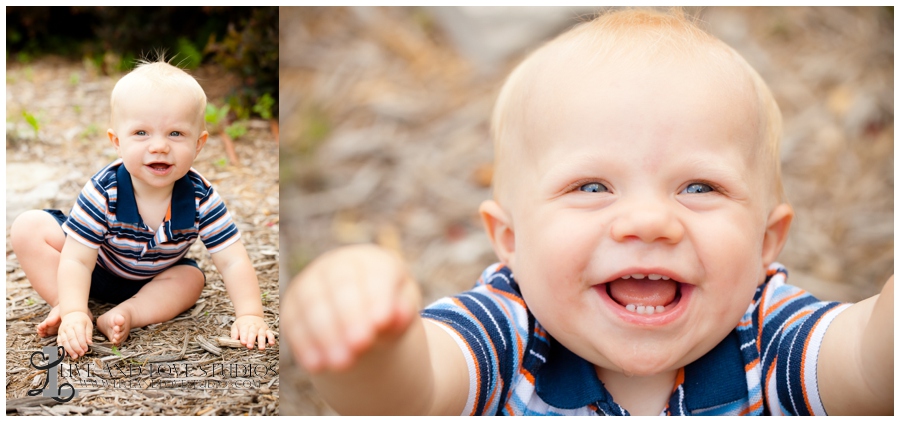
(471,334)
(792,398)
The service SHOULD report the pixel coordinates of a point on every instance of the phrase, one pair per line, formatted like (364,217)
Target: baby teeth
(641,276)
(645,310)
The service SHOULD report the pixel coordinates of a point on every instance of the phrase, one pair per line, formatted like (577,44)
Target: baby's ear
(777,226)
(113,138)
(499,228)
(201,141)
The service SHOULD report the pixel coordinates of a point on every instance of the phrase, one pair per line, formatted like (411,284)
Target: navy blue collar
(567,381)
(183,207)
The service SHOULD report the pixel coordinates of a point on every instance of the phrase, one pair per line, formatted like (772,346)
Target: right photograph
(586,211)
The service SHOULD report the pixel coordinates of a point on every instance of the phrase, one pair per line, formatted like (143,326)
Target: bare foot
(115,324)
(50,325)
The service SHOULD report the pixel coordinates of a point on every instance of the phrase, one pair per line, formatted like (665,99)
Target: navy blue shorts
(108,287)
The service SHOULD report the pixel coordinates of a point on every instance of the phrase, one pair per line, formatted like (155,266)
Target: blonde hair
(617,35)
(159,74)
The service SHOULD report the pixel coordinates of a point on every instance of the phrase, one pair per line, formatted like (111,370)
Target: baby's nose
(648,221)
(158,144)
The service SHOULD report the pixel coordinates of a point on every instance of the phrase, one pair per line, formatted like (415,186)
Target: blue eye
(175,133)
(593,187)
(141,133)
(698,188)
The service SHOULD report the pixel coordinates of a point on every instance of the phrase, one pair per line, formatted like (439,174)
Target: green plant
(74,78)
(215,115)
(32,121)
(263,106)
(236,129)
(220,163)
(29,302)
(187,54)
(23,57)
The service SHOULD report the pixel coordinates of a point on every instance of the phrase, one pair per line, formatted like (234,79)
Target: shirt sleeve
(217,229)
(88,221)
(793,324)
(491,325)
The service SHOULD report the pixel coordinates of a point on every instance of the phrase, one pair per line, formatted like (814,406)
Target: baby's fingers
(261,338)
(324,327)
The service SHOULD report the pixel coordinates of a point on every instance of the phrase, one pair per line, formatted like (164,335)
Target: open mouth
(646,298)
(160,168)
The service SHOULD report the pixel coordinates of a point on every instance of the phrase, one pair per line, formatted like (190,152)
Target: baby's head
(637,189)
(159,77)
(157,122)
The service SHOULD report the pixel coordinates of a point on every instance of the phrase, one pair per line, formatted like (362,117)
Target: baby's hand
(74,334)
(251,328)
(340,304)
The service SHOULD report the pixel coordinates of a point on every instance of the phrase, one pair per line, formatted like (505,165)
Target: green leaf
(236,129)
(263,106)
(33,121)
(190,56)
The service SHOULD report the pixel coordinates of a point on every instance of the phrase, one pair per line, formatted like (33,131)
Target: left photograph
(142,211)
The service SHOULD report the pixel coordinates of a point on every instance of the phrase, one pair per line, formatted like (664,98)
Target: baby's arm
(76,263)
(243,289)
(355,327)
(856,362)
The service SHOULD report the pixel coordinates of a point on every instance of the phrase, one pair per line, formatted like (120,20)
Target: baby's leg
(37,239)
(170,293)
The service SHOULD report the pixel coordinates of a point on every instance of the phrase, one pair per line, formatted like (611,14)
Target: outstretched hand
(346,300)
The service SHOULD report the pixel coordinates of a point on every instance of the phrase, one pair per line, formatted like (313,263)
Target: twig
(227,342)
(209,347)
(229,149)
(274,126)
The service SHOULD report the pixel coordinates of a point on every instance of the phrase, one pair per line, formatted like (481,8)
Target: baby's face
(158,134)
(639,214)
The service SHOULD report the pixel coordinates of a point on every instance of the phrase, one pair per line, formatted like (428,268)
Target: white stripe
(470,364)
(538,355)
(810,379)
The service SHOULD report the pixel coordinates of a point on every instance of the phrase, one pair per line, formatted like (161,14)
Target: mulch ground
(172,368)
(385,135)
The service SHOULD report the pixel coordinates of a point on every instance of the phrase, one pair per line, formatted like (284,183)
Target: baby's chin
(640,366)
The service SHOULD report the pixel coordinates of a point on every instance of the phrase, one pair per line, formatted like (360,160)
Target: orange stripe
(751,365)
(803,363)
(765,387)
(525,373)
(474,358)
(796,317)
(783,301)
(753,407)
(679,379)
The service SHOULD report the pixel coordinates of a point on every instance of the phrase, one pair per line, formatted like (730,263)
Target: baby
(125,239)
(637,216)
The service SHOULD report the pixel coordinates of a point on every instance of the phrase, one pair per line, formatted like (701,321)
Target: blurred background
(61,66)
(386,110)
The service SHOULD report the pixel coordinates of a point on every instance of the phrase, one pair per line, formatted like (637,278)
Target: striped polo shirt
(106,217)
(765,366)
